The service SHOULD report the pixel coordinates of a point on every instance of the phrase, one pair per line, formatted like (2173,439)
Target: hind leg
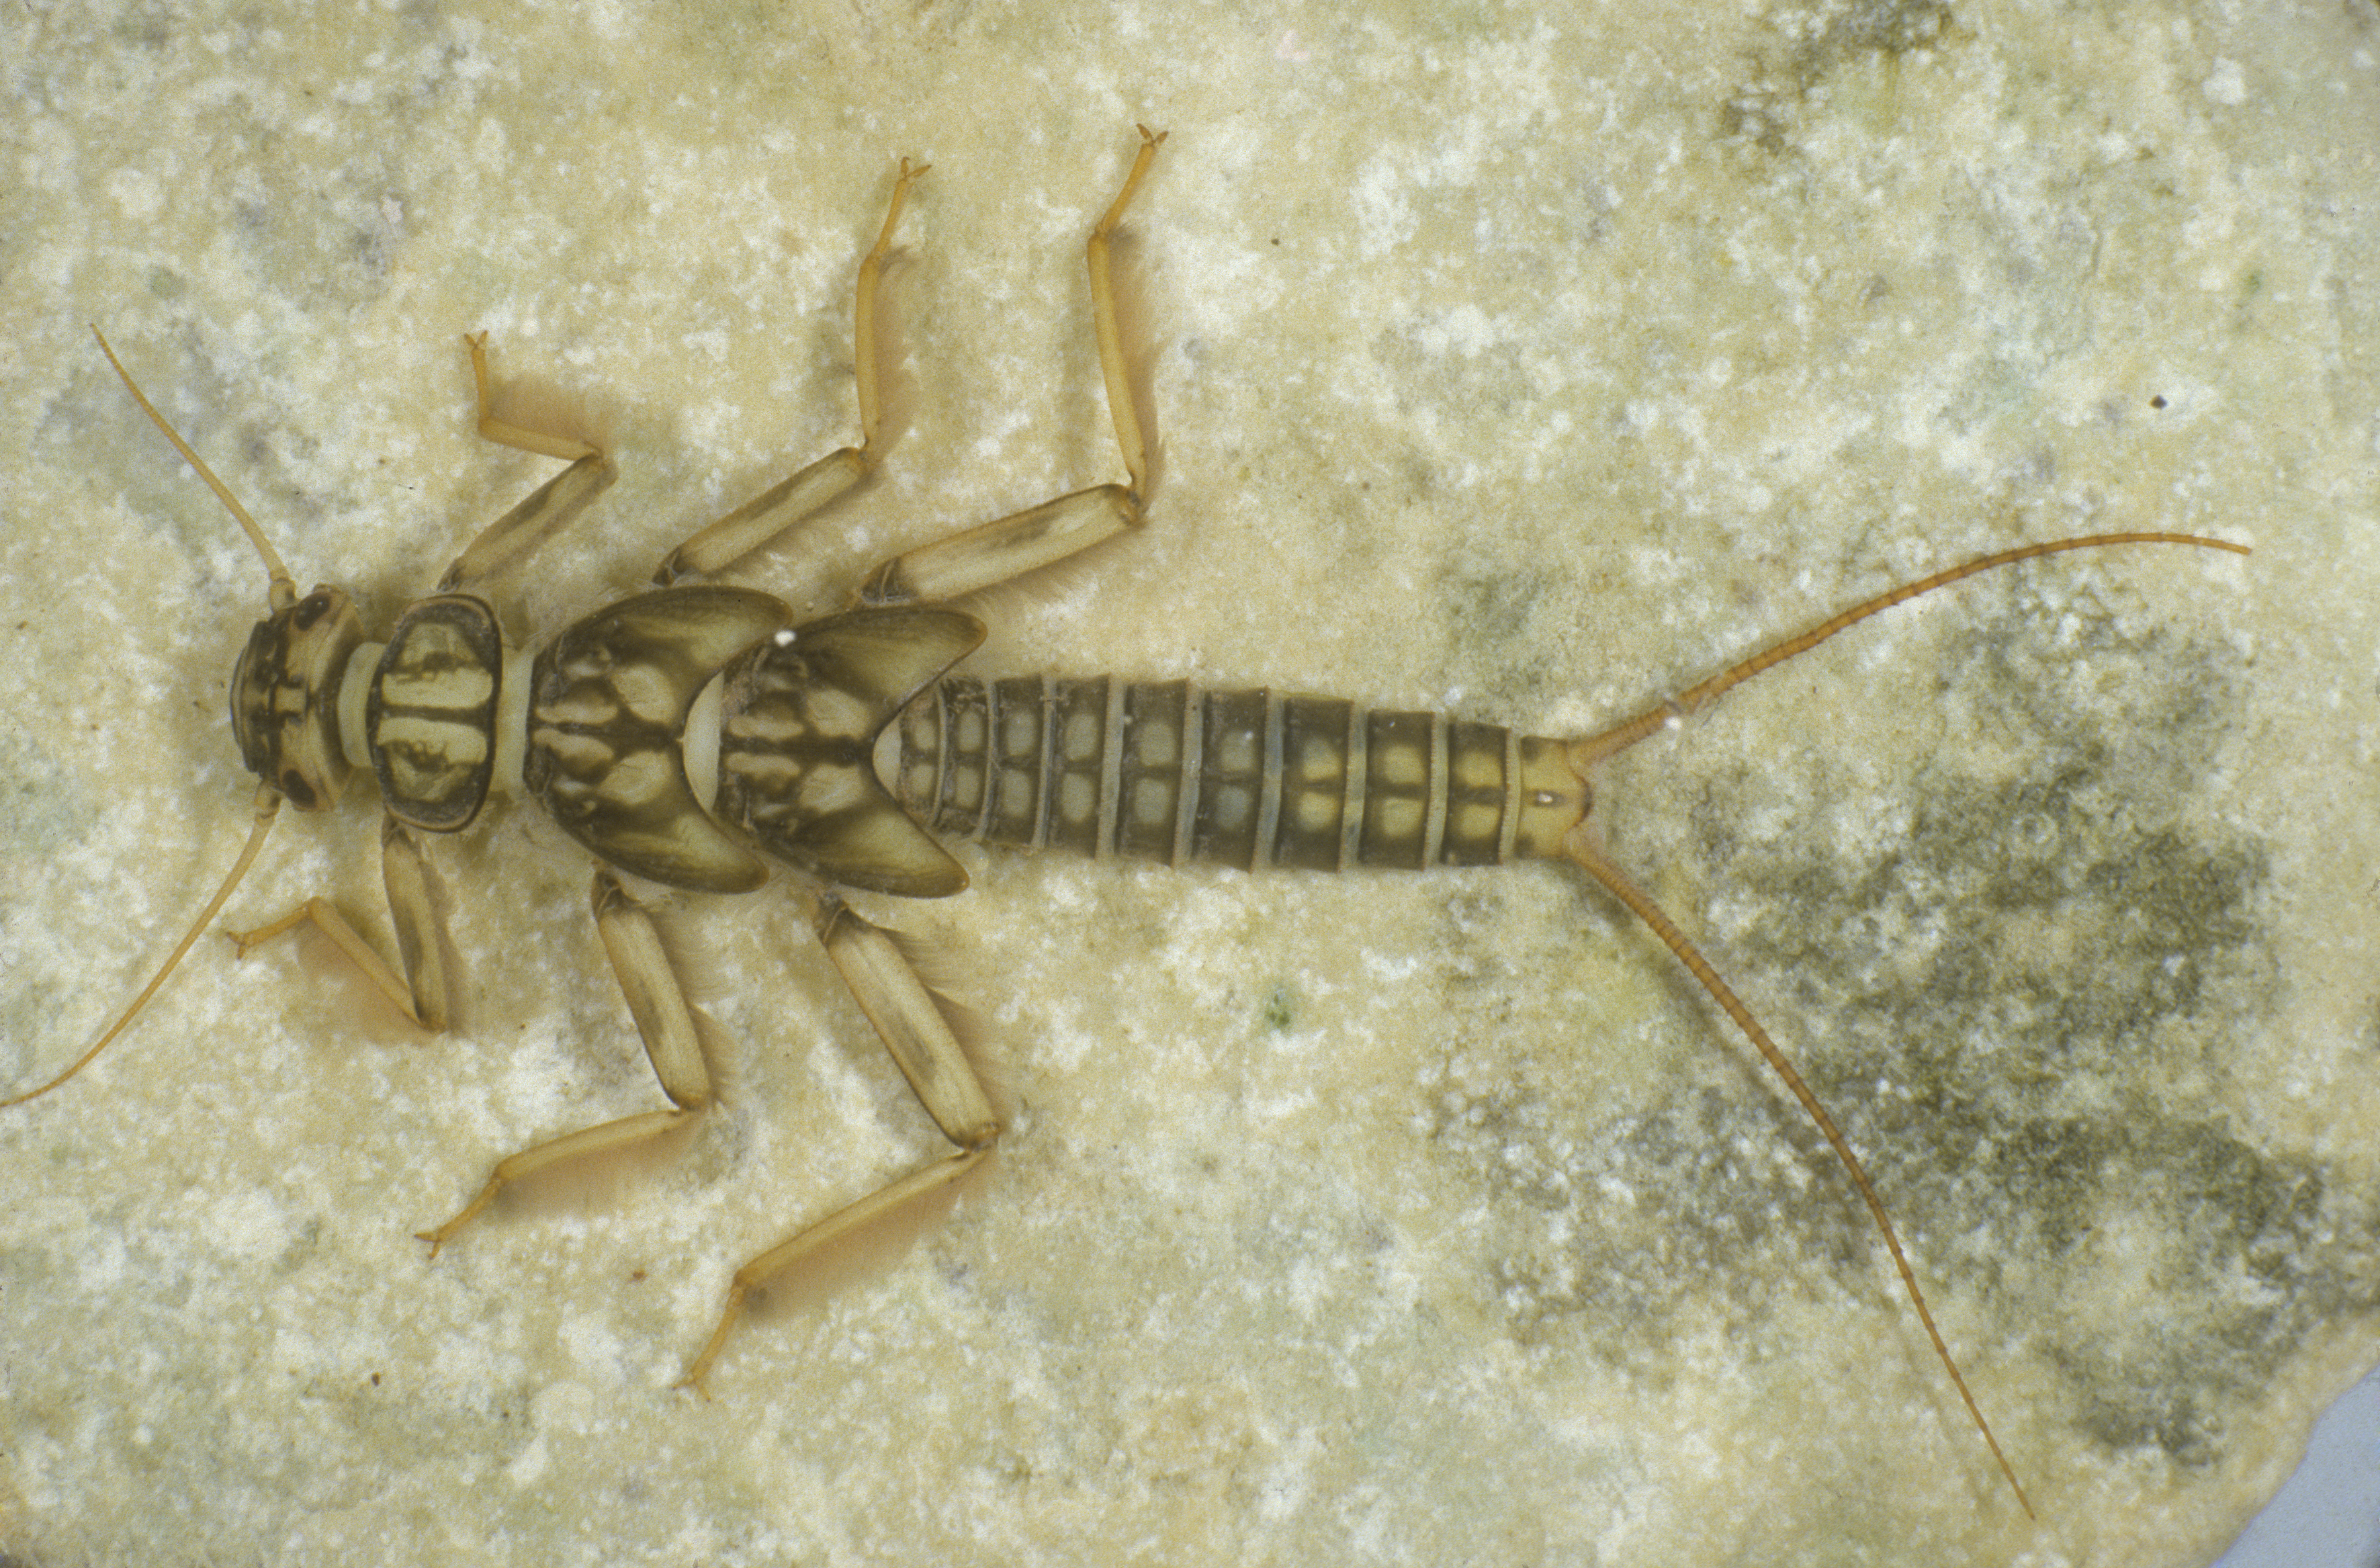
(913,1030)
(1040,535)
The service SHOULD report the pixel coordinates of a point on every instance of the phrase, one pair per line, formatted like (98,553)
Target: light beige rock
(1525,365)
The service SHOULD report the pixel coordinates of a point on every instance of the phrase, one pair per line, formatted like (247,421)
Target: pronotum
(674,732)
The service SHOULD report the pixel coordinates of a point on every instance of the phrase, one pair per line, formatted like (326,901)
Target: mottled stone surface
(1525,367)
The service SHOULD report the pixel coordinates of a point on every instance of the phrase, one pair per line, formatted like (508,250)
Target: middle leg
(786,503)
(650,984)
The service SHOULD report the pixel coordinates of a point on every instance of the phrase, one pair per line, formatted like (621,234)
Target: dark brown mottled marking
(431,715)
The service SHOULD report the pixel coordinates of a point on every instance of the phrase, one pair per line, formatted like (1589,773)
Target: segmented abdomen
(1164,770)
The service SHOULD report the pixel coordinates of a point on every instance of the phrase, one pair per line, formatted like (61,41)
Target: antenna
(268,806)
(281,591)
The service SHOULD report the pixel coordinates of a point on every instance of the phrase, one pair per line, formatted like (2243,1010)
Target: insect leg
(1040,535)
(554,503)
(412,886)
(650,984)
(778,508)
(504,433)
(421,992)
(349,941)
(912,1030)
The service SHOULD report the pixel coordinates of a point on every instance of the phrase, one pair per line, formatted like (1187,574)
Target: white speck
(570,1407)
(135,191)
(1306,1287)
(783,639)
(2226,83)
(530,1463)
(1286,1486)
(249,1224)
(1466,329)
